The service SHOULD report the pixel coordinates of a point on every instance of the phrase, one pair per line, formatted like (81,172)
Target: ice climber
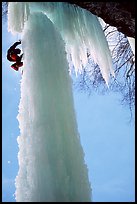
(13,56)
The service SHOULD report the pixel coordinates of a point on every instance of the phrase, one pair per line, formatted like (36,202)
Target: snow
(132,44)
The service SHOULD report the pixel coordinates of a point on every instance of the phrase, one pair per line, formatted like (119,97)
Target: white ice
(80,30)
(51,159)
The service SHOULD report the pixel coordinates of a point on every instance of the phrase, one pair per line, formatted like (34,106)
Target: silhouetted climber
(12,56)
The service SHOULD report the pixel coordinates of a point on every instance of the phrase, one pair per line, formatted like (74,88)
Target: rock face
(118,14)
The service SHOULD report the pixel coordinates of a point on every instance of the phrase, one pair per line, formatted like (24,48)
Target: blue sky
(106,135)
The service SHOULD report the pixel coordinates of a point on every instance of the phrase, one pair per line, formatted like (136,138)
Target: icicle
(18,13)
(80,30)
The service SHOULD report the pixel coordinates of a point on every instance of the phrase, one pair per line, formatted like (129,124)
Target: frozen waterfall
(51,159)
